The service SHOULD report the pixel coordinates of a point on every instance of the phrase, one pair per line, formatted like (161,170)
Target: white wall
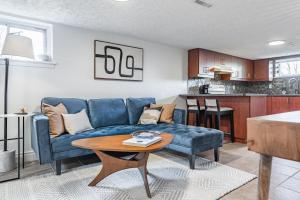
(165,72)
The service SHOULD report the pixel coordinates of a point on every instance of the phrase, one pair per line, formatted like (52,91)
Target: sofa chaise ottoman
(114,117)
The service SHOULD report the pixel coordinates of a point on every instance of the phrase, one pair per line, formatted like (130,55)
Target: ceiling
(238,27)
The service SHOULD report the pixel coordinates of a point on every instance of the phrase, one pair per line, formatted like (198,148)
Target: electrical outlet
(233,87)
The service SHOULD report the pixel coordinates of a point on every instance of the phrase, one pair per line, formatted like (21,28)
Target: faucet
(291,85)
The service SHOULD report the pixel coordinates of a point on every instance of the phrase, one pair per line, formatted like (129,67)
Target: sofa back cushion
(107,112)
(135,107)
(73,105)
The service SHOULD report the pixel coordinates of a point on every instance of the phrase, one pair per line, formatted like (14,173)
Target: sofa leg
(216,153)
(58,167)
(192,159)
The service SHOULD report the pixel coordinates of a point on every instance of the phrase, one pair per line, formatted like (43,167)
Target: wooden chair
(193,106)
(212,108)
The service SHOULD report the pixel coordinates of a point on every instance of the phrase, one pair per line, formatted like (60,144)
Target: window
(40,33)
(287,67)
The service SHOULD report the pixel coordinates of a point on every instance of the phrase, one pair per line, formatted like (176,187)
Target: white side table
(20,137)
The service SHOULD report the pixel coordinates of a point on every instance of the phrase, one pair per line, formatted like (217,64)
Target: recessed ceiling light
(276,42)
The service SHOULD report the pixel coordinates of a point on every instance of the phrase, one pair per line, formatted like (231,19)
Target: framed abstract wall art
(118,62)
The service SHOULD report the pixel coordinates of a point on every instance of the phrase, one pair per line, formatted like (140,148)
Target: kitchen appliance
(220,69)
(216,89)
(203,89)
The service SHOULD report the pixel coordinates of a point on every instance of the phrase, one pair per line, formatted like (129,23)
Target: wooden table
(102,146)
(273,135)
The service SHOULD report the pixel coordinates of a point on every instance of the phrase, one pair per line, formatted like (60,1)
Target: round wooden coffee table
(111,164)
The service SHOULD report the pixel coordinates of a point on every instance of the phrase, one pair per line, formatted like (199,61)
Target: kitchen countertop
(239,95)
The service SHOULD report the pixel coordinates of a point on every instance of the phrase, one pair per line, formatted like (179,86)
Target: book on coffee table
(141,142)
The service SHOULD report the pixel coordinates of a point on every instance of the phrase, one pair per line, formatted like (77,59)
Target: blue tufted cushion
(73,105)
(190,136)
(196,139)
(107,112)
(63,142)
(135,107)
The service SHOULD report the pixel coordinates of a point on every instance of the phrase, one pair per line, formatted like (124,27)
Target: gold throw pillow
(167,112)
(54,113)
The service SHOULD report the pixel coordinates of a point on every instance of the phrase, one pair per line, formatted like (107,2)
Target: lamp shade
(17,45)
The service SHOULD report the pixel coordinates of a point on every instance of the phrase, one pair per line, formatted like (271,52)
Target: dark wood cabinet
(199,61)
(294,103)
(261,70)
(247,69)
(193,62)
(279,105)
(258,106)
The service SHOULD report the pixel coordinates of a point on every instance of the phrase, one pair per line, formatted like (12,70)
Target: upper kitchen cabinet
(247,69)
(242,69)
(200,60)
(193,63)
(262,70)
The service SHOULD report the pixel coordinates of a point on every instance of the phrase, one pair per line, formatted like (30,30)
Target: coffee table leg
(144,172)
(111,164)
(103,173)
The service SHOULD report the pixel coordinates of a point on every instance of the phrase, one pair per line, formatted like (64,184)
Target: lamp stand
(5,101)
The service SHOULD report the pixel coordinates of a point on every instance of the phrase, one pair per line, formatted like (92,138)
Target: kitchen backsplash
(233,87)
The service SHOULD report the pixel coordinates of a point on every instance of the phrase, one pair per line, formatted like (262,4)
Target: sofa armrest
(179,116)
(40,138)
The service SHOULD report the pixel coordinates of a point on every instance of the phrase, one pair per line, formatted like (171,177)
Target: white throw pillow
(76,123)
(150,115)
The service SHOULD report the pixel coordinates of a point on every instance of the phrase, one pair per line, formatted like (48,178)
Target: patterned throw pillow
(54,114)
(167,112)
(150,115)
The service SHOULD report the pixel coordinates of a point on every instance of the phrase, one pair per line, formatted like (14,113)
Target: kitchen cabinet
(242,69)
(277,105)
(199,61)
(258,106)
(237,68)
(248,69)
(294,103)
(261,70)
(193,63)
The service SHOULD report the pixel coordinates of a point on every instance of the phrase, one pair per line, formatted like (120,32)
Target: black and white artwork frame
(114,61)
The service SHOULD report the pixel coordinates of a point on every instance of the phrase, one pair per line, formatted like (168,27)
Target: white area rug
(168,180)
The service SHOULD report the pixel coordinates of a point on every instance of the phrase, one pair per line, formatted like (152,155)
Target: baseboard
(29,156)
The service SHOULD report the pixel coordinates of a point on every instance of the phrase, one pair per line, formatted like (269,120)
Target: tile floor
(285,181)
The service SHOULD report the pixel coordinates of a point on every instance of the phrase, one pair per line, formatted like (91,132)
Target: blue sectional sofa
(114,117)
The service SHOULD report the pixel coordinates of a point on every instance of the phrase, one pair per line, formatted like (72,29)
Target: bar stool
(212,108)
(193,106)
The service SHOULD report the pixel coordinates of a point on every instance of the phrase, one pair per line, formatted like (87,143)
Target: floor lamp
(14,45)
